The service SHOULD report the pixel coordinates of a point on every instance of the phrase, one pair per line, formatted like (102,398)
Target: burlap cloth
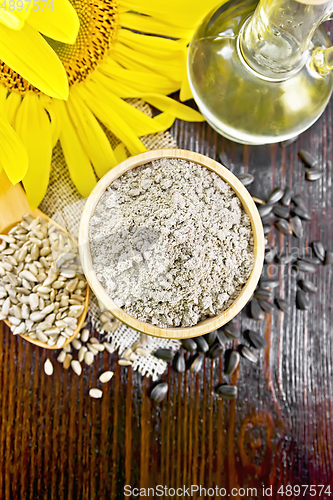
(64,204)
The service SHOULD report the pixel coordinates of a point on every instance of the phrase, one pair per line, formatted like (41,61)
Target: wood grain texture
(58,443)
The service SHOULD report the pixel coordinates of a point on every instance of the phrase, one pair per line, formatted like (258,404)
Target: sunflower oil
(239,102)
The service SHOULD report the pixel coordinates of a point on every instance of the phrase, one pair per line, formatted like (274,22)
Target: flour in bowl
(171,243)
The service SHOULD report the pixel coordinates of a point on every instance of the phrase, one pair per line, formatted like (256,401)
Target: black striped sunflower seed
(226,391)
(256,312)
(256,339)
(283,305)
(284,227)
(195,362)
(270,255)
(221,338)
(178,363)
(202,344)
(287,195)
(308,158)
(263,294)
(319,250)
(268,218)
(232,363)
(165,354)
(231,332)
(297,226)
(313,174)
(266,306)
(298,200)
(248,354)
(303,214)
(305,267)
(302,300)
(281,211)
(267,228)
(275,196)
(286,258)
(308,286)
(265,210)
(210,337)
(189,345)
(159,392)
(225,160)
(215,350)
(311,259)
(245,178)
(268,283)
(328,258)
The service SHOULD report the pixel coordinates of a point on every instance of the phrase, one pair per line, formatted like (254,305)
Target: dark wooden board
(58,443)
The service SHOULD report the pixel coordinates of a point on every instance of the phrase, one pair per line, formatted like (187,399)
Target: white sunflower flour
(171,243)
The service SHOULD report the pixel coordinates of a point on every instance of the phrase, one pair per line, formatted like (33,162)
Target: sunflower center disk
(98,22)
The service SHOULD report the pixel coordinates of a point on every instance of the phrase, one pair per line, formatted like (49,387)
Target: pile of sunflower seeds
(86,346)
(132,352)
(212,345)
(277,210)
(42,288)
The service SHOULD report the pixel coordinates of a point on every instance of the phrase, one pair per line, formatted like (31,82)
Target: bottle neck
(275,40)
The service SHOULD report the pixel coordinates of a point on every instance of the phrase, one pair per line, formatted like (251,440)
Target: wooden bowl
(208,324)
(13,204)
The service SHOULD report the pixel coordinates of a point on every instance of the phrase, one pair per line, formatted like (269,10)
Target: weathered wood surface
(58,443)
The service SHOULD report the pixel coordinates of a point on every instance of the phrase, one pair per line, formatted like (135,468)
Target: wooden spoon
(13,205)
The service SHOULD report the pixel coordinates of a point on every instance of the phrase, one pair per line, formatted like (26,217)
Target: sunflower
(124,49)
(23,48)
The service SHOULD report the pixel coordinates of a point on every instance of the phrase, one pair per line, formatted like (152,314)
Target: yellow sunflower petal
(11,106)
(143,81)
(185,91)
(165,120)
(120,152)
(18,49)
(77,160)
(120,89)
(155,46)
(13,156)
(92,137)
(3,92)
(185,13)
(55,122)
(132,59)
(3,96)
(149,24)
(15,18)
(173,107)
(34,129)
(105,112)
(140,123)
(61,23)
